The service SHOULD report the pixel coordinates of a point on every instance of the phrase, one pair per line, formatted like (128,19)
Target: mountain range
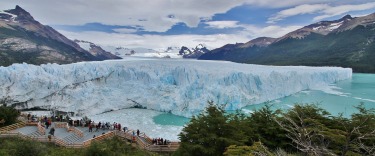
(122,52)
(23,39)
(346,42)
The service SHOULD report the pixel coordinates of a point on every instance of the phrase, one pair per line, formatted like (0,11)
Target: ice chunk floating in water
(181,87)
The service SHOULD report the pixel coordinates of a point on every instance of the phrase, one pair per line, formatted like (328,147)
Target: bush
(9,114)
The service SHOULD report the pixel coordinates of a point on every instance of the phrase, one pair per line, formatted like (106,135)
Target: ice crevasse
(179,86)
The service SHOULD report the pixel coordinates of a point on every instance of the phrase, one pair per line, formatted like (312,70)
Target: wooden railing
(61,125)
(164,148)
(41,129)
(12,127)
(98,138)
(145,142)
(76,131)
(69,128)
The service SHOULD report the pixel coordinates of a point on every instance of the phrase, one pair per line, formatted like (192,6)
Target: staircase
(72,139)
(12,127)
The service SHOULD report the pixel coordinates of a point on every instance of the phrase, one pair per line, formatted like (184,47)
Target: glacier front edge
(179,86)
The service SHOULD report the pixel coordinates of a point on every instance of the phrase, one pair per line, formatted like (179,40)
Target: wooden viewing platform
(79,137)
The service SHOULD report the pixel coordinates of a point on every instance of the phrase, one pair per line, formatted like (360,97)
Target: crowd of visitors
(160,141)
(85,122)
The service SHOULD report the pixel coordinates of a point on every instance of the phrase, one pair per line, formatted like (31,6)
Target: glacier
(178,86)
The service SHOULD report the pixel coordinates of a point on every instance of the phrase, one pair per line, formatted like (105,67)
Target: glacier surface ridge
(181,87)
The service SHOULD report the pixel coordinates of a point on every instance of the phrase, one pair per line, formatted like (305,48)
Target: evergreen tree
(209,133)
(265,129)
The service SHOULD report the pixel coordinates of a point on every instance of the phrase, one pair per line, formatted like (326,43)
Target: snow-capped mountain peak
(6,16)
(199,50)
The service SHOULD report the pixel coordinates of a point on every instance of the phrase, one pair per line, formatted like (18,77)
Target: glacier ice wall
(182,87)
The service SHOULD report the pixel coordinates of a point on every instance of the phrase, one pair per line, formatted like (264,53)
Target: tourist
(107,124)
(47,124)
(81,122)
(97,128)
(28,117)
(137,132)
(52,131)
(90,127)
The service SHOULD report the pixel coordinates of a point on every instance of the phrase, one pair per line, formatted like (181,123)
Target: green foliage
(109,147)
(256,149)
(9,114)
(210,133)
(265,128)
(306,128)
(18,146)
(114,147)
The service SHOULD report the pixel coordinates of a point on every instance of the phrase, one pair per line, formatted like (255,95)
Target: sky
(159,24)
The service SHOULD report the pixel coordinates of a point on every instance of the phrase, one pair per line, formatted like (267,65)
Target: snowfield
(179,86)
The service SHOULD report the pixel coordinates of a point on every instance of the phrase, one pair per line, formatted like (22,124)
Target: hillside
(23,39)
(347,42)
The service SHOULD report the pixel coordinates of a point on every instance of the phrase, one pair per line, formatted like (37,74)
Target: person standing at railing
(52,131)
(138,132)
(47,124)
(28,117)
(90,127)
(133,138)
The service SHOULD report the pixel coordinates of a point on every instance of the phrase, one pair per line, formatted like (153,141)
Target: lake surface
(342,97)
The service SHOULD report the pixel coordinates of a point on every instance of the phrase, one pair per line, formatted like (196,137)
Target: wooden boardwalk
(73,137)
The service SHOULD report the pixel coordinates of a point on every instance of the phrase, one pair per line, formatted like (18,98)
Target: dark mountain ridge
(346,42)
(23,39)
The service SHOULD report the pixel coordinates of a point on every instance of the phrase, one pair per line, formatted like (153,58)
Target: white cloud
(324,9)
(298,10)
(129,12)
(154,13)
(222,24)
(155,41)
(283,3)
(342,9)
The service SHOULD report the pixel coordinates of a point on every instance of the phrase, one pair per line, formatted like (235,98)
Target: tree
(9,114)
(265,129)
(257,149)
(304,127)
(358,133)
(209,133)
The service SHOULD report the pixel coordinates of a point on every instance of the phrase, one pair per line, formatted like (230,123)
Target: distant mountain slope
(23,39)
(347,42)
(96,50)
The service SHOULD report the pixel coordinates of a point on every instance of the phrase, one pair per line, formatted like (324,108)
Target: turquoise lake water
(341,99)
